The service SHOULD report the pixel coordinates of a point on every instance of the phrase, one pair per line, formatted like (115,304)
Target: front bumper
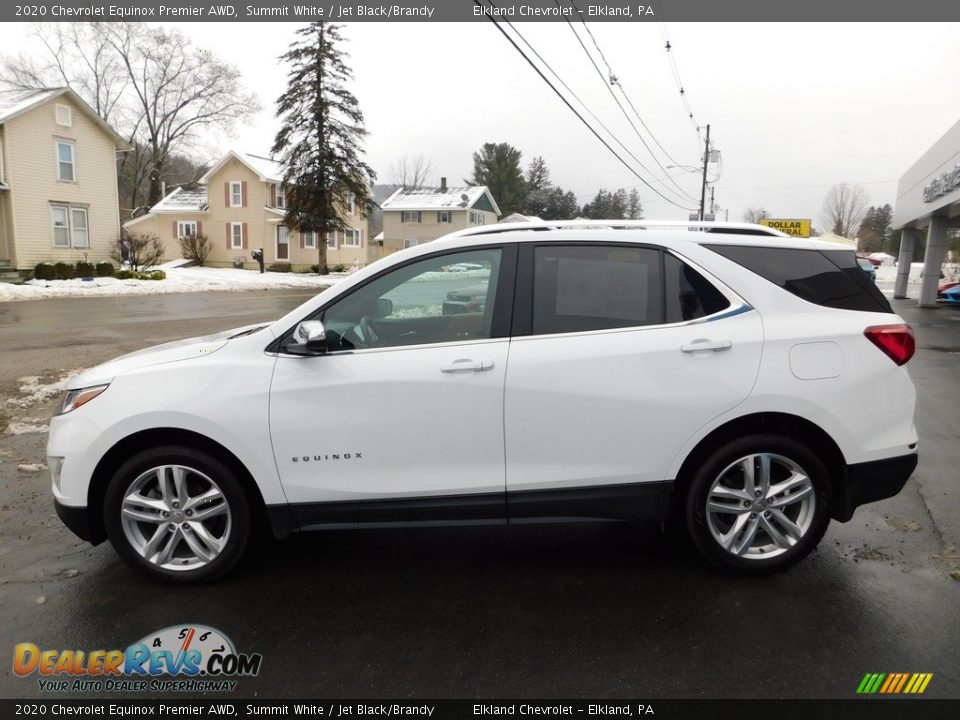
(871,481)
(77,520)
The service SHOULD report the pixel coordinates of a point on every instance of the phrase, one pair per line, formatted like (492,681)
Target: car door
(620,353)
(402,418)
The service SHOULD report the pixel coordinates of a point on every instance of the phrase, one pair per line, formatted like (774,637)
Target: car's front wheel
(758,504)
(177,513)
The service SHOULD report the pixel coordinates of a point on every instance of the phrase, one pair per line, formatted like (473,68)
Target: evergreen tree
(539,188)
(497,166)
(634,206)
(875,228)
(321,140)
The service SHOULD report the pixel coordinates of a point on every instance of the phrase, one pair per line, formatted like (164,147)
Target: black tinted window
(688,294)
(579,288)
(831,277)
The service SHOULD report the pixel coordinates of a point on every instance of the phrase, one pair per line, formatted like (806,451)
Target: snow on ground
(23,428)
(33,391)
(179,280)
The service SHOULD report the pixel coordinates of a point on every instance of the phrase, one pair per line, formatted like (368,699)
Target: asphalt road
(527,611)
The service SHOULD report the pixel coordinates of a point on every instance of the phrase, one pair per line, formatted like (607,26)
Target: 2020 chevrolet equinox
(743,384)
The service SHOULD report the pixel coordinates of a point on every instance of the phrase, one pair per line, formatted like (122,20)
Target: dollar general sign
(797,228)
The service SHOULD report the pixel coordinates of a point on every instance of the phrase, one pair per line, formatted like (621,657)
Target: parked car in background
(949,293)
(868,267)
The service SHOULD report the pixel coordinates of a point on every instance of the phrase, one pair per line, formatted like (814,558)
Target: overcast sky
(794,108)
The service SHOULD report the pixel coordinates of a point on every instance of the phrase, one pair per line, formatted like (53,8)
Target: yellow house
(58,180)
(239,207)
(416,216)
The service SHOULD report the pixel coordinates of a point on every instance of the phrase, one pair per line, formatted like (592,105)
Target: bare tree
(412,173)
(844,208)
(754,215)
(177,90)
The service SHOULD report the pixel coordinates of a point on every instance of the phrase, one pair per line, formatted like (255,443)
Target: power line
(615,80)
(574,110)
(676,76)
(608,82)
(582,103)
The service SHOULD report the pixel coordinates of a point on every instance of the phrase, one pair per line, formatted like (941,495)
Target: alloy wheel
(760,506)
(175,517)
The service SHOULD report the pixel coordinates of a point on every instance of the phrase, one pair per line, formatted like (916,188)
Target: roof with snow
(519,217)
(183,200)
(17,102)
(267,169)
(435,198)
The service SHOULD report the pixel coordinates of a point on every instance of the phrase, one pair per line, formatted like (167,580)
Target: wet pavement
(526,611)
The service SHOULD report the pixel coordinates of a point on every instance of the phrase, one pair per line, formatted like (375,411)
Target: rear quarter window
(831,278)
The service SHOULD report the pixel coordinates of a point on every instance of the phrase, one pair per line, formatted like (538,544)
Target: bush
(279,267)
(85,269)
(44,271)
(64,271)
(123,274)
(196,248)
(140,251)
(104,269)
(154,275)
(339,268)
(315,269)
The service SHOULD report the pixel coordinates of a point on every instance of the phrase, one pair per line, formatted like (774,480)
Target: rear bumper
(77,520)
(871,481)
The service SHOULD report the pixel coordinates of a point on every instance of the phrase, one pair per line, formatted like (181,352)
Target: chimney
(443,184)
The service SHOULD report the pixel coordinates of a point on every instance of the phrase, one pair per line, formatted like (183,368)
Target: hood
(158,355)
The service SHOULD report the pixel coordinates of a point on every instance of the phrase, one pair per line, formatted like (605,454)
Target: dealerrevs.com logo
(180,658)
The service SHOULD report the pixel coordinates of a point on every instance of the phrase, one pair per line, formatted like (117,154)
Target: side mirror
(383,308)
(310,338)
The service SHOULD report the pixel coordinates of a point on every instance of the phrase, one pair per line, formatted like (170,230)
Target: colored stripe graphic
(894,683)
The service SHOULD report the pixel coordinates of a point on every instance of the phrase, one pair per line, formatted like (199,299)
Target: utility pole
(703,184)
(713,205)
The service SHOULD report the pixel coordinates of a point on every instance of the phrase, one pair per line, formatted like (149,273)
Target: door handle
(467,365)
(704,344)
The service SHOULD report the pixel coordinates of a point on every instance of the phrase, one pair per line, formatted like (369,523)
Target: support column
(908,240)
(933,261)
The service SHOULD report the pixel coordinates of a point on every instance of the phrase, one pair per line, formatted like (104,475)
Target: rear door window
(830,278)
(578,288)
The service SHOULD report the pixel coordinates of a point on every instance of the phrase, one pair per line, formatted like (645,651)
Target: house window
(281,198)
(79,234)
(351,238)
(332,240)
(64,115)
(477,218)
(411,216)
(66,161)
(70,226)
(351,205)
(61,226)
(409,244)
(236,236)
(236,194)
(443,216)
(309,238)
(186,228)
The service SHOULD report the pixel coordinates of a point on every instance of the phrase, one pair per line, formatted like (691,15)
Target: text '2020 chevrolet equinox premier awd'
(747,385)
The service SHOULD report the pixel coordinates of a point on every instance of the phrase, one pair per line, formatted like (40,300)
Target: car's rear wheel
(178,514)
(758,504)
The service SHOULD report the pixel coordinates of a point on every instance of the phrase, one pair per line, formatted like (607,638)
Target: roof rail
(547,225)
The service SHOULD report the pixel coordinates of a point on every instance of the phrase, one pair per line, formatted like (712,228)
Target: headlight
(72,399)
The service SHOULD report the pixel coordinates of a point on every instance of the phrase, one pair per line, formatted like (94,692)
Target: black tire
(233,493)
(695,505)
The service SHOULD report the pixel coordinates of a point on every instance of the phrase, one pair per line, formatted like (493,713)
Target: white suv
(747,385)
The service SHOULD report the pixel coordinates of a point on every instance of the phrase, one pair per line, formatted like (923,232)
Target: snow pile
(24,428)
(33,391)
(179,280)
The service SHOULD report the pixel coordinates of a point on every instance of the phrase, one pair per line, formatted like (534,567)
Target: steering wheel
(372,335)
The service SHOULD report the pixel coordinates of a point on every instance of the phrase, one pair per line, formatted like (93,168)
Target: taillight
(895,340)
